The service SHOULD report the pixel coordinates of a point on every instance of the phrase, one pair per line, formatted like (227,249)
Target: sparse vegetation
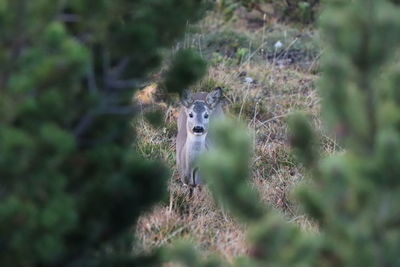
(351,199)
(299,11)
(263,103)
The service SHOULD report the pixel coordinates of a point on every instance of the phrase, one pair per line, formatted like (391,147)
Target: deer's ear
(186,99)
(214,97)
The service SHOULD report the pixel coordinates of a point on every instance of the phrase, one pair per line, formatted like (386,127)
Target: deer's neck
(195,145)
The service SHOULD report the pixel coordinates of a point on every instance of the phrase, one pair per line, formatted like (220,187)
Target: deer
(193,138)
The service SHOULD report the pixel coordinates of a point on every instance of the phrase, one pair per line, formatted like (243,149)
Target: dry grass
(264,104)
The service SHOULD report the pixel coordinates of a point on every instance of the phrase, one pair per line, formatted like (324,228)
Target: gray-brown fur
(189,143)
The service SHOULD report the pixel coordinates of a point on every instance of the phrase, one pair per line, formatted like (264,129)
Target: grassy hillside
(267,71)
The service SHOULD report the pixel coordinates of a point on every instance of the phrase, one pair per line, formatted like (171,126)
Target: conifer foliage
(71,186)
(354,196)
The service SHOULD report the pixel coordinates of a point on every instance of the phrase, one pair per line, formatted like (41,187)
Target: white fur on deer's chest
(195,145)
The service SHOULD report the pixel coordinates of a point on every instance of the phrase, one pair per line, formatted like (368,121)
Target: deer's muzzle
(198,130)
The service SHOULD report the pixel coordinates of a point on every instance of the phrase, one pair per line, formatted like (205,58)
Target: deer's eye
(206,116)
(191,115)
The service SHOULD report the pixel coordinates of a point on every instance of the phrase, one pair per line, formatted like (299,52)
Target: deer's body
(197,111)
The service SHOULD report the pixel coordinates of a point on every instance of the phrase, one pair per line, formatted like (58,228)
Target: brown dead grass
(146,95)
(195,219)
(264,105)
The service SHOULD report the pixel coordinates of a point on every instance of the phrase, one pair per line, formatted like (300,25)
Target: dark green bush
(71,186)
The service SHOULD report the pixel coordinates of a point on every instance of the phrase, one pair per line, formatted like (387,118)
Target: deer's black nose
(198,129)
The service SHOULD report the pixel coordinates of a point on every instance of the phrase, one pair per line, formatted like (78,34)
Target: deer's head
(199,108)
